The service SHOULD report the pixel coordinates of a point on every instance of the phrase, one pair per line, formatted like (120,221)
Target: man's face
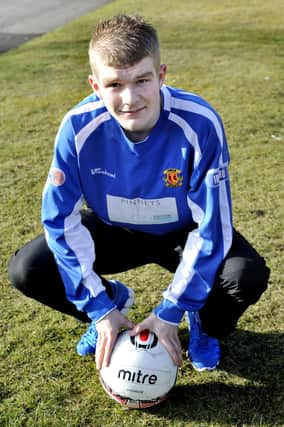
(131,94)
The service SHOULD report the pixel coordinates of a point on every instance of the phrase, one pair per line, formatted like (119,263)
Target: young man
(151,164)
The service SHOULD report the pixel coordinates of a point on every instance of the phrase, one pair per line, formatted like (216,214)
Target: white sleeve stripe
(190,135)
(224,208)
(89,128)
(79,240)
(90,106)
(185,271)
(85,108)
(201,110)
(167,98)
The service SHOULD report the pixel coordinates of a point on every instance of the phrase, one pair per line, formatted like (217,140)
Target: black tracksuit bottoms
(240,281)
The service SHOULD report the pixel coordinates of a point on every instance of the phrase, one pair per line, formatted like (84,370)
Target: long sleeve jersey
(176,177)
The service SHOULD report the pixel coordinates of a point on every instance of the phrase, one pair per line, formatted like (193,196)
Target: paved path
(21,20)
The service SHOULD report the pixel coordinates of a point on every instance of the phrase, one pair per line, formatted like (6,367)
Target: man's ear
(162,74)
(94,84)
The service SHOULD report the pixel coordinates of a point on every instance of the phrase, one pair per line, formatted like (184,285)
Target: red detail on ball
(144,335)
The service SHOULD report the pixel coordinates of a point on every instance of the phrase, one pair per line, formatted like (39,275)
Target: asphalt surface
(21,20)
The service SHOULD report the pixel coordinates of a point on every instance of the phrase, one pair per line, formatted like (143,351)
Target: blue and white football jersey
(176,177)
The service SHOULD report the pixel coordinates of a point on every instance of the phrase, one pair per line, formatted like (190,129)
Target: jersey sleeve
(209,200)
(68,239)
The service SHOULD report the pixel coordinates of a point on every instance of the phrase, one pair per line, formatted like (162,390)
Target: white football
(141,373)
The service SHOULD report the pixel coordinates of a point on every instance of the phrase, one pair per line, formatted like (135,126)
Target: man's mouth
(133,111)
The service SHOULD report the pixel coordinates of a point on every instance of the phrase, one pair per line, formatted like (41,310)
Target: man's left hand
(167,335)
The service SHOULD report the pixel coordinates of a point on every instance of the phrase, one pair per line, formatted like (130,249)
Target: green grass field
(231,53)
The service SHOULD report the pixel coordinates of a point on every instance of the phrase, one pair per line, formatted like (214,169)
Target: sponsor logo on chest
(101,171)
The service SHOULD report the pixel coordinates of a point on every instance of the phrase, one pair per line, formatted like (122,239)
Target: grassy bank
(231,53)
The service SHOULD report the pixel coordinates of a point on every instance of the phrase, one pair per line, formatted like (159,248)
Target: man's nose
(128,95)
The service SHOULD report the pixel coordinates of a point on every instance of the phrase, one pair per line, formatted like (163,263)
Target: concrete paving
(21,20)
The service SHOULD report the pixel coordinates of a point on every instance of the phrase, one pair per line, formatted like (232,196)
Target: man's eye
(114,85)
(142,81)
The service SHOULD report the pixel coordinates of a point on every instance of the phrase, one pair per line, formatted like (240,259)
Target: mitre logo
(137,377)
(173,177)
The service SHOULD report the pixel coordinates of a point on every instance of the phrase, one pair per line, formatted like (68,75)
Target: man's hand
(166,333)
(108,329)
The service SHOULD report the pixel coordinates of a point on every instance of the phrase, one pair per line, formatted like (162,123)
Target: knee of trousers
(247,281)
(20,273)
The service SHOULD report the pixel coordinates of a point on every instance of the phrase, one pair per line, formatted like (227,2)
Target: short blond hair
(123,41)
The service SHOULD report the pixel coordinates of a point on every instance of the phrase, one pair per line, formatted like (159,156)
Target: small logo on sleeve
(216,176)
(56,177)
(173,177)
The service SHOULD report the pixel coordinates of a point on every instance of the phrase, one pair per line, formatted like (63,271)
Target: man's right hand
(108,329)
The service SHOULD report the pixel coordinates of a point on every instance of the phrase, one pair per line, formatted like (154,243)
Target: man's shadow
(247,389)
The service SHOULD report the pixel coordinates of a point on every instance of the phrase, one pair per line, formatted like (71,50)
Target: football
(141,372)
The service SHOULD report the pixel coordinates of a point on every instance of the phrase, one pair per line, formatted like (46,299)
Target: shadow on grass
(253,396)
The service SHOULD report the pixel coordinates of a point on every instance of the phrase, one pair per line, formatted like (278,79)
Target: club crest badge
(56,177)
(173,177)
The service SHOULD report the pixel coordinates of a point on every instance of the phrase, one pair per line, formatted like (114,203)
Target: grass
(232,54)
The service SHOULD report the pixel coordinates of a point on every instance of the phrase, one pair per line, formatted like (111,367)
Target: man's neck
(138,136)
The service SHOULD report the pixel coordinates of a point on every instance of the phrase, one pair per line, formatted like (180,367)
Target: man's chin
(131,126)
